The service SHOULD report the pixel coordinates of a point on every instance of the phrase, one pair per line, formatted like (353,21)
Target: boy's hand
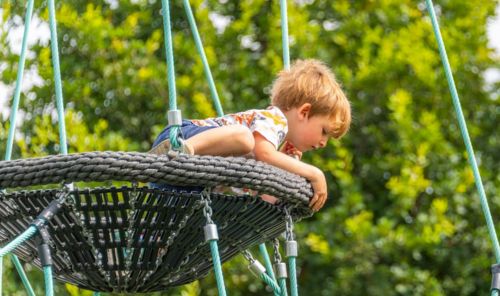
(318,183)
(290,150)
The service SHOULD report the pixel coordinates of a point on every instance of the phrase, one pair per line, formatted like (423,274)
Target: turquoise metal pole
(201,52)
(13,122)
(19,80)
(293,276)
(282,282)
(172,96)
(268,264)
(57,77)
(284,34)
(271,283)
(1,275)
(22,274)
(27,234)
(214,249)
(49,282)
(465,133)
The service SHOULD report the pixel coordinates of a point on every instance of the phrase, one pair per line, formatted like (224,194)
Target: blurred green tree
(403,215)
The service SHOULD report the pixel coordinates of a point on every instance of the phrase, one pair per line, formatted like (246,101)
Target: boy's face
(309,132)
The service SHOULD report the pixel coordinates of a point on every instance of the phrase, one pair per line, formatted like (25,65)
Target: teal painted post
(1,275)
(19,80)
(282,282)
(201,52)
(27,234)
(284,34)
(22,274)
(465,133)
(57,78)
(172,95)
(268,264)
(214,249)
(271,283)
(293,276)
(15,104)
(49,282)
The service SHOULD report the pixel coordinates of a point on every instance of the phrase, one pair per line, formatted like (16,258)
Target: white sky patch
(493,30)
(219,21)
(38,32)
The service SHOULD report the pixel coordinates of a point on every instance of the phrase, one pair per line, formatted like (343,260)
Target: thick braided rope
(182,170)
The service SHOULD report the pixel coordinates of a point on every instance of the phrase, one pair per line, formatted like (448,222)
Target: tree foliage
(403,215)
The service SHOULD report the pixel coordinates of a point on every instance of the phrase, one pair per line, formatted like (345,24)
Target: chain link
(207,210)
(276,255)
(288,225)
(248,256)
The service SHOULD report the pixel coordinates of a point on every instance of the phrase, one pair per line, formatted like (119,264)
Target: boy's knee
(244,137)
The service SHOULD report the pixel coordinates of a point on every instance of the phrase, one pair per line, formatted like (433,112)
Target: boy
(307,108)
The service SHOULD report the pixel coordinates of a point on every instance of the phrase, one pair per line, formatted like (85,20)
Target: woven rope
(182,170)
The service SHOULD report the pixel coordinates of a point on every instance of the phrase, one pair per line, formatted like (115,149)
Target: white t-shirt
(271,123)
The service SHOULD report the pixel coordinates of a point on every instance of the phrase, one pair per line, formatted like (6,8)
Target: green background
(403,216)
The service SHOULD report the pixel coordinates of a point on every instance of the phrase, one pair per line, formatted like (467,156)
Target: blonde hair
(311,81)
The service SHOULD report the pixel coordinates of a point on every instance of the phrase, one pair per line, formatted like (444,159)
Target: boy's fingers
(313,201)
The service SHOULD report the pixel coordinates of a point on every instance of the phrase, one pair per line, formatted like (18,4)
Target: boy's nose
(322,143)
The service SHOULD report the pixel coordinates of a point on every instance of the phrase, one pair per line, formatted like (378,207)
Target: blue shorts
(188,130)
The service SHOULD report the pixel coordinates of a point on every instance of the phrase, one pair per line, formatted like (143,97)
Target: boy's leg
(230,140)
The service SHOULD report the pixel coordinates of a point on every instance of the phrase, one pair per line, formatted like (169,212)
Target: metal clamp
(291,249)
(281,272)
(174,117)
(495,280)
(254,265)
(42,241)
(211,232)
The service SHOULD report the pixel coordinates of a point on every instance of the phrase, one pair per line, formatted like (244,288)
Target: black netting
(138,239)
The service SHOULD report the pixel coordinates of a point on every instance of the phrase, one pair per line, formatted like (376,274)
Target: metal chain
(289,235)
(133,196)
(248,256)
(276,255)
(207,210)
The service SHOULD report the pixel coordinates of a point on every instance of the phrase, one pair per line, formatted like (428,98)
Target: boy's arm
(266,152)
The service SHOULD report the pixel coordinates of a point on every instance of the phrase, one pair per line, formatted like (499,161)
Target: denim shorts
(188,130)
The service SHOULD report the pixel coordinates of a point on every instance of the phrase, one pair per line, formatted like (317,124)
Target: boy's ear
(304,110)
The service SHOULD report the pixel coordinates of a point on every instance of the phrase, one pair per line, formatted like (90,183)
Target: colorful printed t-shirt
(271,123)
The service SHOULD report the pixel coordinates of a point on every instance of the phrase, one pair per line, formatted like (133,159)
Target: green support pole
(214,249)
(465,133)
(271,283)
(19,81)
(49,282)
(57,78)
(12,127)
(22,274)
(284,34)
(1,275)
(268,264)
(201,52)
(293,276)
(282,282)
